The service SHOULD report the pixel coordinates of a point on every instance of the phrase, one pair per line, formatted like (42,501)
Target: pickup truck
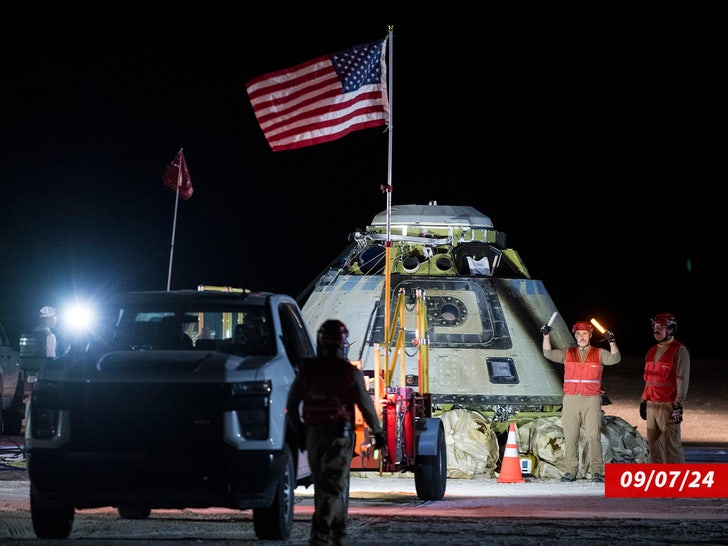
(175,399)
(12,409)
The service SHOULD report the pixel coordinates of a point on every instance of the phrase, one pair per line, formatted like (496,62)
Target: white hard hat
(47,311)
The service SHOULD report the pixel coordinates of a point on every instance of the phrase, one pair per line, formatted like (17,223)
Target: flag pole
(174,221)
(388,243)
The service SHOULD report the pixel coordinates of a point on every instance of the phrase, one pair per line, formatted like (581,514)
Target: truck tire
(50,520)
(431,471)
(12,419)
(276,521)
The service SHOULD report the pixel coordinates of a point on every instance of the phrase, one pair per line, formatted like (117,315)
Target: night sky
(590,134)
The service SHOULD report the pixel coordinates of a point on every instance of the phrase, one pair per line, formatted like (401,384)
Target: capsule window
(502,370)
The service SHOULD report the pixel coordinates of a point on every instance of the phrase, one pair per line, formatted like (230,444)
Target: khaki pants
(663,436)
(330,450)
(582,412)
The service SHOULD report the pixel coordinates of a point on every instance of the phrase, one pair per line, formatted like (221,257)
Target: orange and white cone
(511,465)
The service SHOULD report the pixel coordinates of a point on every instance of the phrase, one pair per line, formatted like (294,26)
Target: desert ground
(474,511)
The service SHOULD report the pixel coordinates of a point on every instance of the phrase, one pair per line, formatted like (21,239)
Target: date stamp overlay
(694,480)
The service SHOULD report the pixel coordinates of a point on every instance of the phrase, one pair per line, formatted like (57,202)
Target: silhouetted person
(173,335)
(252,337)
(329,386)
(45,338)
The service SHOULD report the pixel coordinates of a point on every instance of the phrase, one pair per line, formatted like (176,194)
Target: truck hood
(156,366)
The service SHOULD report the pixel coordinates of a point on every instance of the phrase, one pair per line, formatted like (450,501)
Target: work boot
(568,477)
(597,477)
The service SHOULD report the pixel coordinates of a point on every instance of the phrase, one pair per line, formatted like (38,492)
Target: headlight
(251,388)
(250,402)
(45,411)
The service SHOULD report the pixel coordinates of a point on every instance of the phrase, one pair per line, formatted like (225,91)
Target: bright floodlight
(79,317)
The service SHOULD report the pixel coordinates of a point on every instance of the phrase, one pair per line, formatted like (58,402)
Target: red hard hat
(666,319)
(333,332)
(583,325)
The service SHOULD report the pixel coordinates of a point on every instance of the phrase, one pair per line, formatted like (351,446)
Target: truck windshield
(237,330)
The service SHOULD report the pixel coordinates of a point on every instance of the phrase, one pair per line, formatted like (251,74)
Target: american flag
(322,99)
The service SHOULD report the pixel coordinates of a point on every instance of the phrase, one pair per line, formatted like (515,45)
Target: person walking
(582,403)
(667,376)
(327,387)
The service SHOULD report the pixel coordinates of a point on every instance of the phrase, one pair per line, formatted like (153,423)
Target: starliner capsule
(482,310)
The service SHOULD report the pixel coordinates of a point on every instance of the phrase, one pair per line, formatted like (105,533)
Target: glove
(677,413)
(379,441)
(608,336)
(545,329)
(643,410)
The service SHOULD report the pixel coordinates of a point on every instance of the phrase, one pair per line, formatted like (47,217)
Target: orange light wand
(598,326)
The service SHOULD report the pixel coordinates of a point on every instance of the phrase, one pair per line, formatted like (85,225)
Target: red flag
(323,99)
(178,176)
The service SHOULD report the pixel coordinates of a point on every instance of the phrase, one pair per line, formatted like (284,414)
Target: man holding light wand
(582,404)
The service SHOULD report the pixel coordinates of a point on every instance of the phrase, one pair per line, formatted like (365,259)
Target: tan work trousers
(663,436)
(329,454)
(582,412)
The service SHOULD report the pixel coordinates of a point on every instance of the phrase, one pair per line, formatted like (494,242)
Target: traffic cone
(511,465)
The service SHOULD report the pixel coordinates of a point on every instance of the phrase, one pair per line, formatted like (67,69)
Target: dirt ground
(385,509)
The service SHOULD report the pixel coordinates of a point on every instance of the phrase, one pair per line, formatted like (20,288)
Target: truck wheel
(126,512)
(276,521)
(50,520)
(12,419)
(431,471)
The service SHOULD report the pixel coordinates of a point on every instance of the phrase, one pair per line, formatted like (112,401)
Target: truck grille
(142,418)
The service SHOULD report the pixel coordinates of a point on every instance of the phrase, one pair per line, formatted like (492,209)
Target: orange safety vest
(583,378)
(660,376)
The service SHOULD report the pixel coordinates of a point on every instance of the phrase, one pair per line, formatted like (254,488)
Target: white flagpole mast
(174,221)
(388,243)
